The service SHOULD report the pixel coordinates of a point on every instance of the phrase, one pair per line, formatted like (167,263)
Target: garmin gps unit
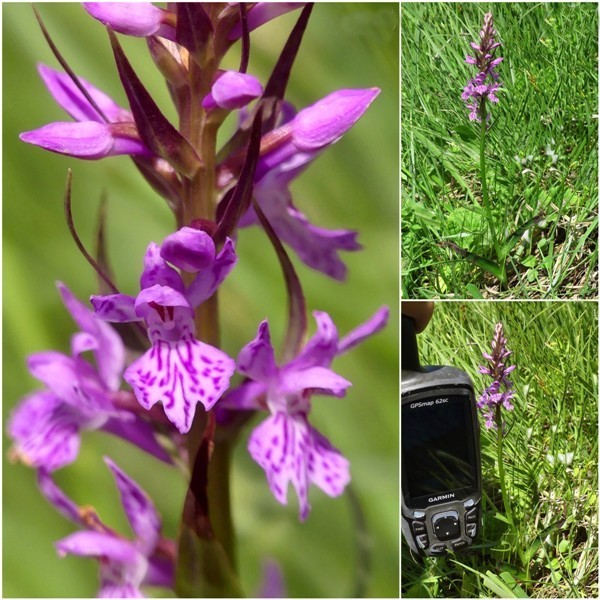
(441,465)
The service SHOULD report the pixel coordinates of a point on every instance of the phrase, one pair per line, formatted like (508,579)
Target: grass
(550,458)
(541,152)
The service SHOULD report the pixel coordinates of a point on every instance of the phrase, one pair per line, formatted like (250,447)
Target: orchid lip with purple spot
(286,445)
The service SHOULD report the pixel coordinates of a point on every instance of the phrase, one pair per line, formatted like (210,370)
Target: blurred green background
(354,185)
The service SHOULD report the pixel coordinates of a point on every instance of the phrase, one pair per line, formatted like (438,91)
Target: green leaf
(473,291)
(483,263)
(513,239)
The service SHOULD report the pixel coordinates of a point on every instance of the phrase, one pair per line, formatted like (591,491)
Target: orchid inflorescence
(485,84)
(179,403)
(500,392)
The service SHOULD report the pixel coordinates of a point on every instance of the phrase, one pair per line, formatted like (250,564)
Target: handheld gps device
(441,465)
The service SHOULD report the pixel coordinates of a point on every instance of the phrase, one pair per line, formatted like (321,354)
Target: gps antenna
(410,349)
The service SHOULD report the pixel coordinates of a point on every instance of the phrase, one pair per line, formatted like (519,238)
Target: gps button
(446,528)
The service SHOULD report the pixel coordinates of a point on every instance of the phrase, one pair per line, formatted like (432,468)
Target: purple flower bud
(96,135)
(139,19)
(326,121)
(89,140)
(232,90)
(190,250)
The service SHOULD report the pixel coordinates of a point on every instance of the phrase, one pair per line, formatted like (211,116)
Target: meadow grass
(550,454)
(541,152)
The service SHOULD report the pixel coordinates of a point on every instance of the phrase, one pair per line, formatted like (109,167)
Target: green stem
(503,490)
(484,190)
(206,565)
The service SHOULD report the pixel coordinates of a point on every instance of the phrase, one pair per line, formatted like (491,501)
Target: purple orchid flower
(94,135)
(140,19)
(492,398)
(125,565)
(178,370)
(477,90)
(285,445)
(297,143)
(232,90)
(46,426)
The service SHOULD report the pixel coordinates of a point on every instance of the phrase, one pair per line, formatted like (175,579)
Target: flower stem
(207,558)
(503,490)
(484,190)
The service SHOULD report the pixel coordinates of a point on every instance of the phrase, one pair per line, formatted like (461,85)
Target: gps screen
(437,446)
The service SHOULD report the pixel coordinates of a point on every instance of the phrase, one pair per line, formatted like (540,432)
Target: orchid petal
(233,90)
(327,120)
(109,351)
(208,280)
(118,308)
(157,271)
(316,247)
(57,497)
(88,140)
(180,374)
(322,346)
(314,378)
(98,544)
(263,12)
(45,432)
(59,372)
(290,450)
(139,19)
(190,250)
(370,327)
(71,100)
(139,509)
(257,359)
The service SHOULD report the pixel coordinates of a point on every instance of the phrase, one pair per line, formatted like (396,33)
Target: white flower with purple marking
(285,445)
(178,370)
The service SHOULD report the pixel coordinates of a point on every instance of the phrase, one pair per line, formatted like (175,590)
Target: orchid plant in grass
(480,94)
(496,397)
(148,367)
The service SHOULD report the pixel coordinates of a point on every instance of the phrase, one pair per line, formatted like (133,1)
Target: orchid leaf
(239,201)
(71,225)
(194,26)
(154,128)
(203,568)
(297,320)
(101,252)
(277,83)
(245,54)
(483,263)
